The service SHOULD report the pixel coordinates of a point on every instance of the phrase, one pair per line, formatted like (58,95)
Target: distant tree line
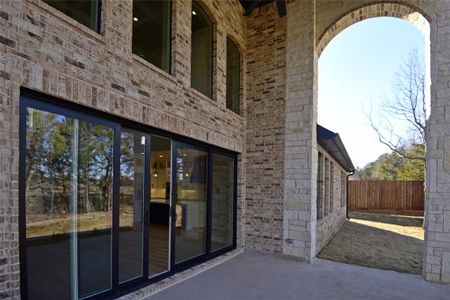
(392,166)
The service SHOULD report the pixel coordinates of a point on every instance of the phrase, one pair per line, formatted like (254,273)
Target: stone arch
(385,9)
(422,22)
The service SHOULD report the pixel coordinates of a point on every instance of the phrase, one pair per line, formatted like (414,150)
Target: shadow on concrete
(363,245)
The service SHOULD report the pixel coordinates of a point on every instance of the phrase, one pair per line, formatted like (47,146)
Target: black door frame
(37,100)
(194,260)
(146,210)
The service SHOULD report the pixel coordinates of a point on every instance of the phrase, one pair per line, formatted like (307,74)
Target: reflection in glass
(83,11)
(151,31)
(159,230)
(132,161)
(68,190)
(47,205)
(222,201)
(201,54)
(190,231)
(95,160)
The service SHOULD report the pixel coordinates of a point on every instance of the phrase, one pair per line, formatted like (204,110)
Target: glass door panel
(94,206)
(131,204)
(159,229)
(222,201)
(68,210)
(48,228)
(190,209)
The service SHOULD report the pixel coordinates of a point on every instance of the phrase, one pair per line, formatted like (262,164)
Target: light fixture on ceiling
(161,156)
(135,19)
(194,13)
(155,174)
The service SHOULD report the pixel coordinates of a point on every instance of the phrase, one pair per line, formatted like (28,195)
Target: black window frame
(33,99)
(98,15)
(169,46)
(211,79)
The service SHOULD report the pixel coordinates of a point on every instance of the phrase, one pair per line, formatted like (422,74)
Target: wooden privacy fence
(397,197)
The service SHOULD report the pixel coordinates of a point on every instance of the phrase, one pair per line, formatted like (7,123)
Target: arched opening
(374,240)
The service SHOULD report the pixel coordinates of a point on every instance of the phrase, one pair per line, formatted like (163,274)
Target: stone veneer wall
(308,22)
(266,56)
(300,151)
(330,223)
(44,50)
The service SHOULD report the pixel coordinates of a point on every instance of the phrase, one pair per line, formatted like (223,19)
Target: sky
(356,72)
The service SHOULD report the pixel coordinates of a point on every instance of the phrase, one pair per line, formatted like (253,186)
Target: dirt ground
(379,241)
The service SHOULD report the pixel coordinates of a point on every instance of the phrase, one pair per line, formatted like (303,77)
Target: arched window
(233,76)
(201,54)
(151,31)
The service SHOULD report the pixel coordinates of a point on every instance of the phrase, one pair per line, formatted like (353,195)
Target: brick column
(181,41)
(9,169)
(220,65)
(300,166)
(117,25)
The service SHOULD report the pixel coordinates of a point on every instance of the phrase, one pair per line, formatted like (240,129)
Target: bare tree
(401,123)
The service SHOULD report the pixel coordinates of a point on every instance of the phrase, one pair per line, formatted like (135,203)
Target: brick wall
(266,58)
(44,50)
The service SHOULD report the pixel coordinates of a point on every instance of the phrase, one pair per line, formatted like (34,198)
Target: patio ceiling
(250,5)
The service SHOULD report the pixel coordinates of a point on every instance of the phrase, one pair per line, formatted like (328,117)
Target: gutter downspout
(346,194)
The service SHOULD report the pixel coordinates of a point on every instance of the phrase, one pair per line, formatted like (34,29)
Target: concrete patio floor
(253,275)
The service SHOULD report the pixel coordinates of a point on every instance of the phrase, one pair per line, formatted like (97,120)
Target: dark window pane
(201,55)
(222,201)
(159,230)
(151,32)
(320,186)
(233,76)
(190,223)
(131,225)
(86,12)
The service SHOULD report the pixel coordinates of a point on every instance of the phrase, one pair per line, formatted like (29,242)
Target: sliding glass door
(159,227)
(106,207)
(190,203)
(68,210)
(222,201)
(133,169)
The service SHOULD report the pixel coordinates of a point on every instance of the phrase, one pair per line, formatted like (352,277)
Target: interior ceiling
(250,5)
